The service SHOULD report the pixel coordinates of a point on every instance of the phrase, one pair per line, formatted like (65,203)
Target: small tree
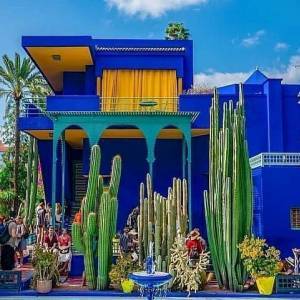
(176,31)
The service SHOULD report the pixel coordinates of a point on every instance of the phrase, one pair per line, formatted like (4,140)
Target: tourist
(64,254)
(132,219)
(8,249)
(133,245)
(2,226)
(40,221)
(48,216)
(125,242)
(58,216)
(21,240)
(77,217)
(195,244)
(51,241)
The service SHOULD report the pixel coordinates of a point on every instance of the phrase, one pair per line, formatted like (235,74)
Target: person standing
(21,231)
(8,249)
(58,215)
(40,222)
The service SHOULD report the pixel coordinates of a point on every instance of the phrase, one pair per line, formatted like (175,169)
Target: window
(295,218)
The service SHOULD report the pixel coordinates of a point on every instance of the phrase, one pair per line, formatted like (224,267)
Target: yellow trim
(179,86)
(73,59)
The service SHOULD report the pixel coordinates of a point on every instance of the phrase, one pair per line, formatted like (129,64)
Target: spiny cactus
(93,236)
(161,219)
(228,204)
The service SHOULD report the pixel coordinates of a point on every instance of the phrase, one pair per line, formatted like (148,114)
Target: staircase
(80,186)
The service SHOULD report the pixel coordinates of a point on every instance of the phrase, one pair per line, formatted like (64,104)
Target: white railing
(139,104)
(275,159)
(33,107)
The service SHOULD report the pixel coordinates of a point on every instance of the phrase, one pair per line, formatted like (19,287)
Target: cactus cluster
(228,204)
(161,219)
(31,181)
(94,234)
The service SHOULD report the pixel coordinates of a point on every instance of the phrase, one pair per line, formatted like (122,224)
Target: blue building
(128,96)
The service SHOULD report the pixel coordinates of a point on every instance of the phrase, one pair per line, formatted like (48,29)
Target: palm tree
(176,31)
(16,76)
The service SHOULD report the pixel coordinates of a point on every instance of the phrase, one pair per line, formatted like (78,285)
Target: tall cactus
(228,204)
(93,236)
(161,219)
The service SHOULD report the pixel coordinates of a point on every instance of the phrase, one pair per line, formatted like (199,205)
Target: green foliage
(124,266)
(5,202)
(176,31)
(187,277)
(259,259)
(45,264)
(228,204)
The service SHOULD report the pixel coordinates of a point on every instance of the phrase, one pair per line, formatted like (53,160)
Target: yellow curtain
(127,90)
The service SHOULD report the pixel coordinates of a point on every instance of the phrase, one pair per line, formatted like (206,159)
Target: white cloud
(152,8)
(281,46)
(254,39)
(289,74)
(219,78)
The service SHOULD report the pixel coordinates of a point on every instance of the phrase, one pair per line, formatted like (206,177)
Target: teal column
(54,162)
(189,161)
(63,157)
(183,156)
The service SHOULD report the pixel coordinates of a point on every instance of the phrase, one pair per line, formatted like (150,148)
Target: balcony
(92,103)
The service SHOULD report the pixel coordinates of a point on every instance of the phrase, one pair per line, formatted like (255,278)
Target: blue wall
(280,192)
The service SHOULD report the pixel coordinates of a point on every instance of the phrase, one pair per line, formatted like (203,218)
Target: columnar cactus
(93,236)
(228,204)
(161,219)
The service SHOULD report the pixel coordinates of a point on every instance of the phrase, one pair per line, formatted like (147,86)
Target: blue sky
(231,37)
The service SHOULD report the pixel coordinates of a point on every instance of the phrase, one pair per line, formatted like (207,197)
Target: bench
(11,280)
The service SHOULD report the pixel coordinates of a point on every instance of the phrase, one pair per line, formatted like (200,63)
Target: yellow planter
(265,285)
(127,286)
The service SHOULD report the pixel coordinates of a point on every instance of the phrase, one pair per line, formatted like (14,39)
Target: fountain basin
(150,280)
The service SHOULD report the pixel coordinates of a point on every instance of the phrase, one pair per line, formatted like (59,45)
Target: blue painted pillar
(54,162)
(273,92)
(183,156)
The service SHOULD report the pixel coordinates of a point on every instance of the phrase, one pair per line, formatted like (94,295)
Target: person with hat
(195,244)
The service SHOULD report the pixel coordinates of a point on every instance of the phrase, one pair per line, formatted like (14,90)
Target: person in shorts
(22,246)
(40,222)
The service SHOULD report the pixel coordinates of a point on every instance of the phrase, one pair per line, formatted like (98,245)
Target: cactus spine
(160,219)
(228,205)
(93,236)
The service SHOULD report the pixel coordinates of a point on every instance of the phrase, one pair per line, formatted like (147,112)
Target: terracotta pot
(265,285)
(44,286)
(127,286)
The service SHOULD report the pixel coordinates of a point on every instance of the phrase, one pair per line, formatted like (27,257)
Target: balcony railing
(139,104)
(275,159)
(92,103)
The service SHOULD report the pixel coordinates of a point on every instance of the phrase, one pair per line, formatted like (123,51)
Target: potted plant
(45,264)
(261,261)
(119,272)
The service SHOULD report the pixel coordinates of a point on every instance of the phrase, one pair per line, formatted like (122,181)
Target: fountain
(149,280)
